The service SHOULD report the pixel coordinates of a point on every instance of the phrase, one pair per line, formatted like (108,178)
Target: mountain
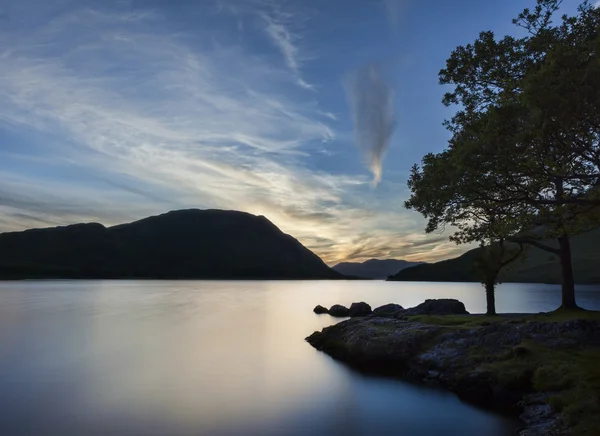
(538,266)
(211,244)
(373,268)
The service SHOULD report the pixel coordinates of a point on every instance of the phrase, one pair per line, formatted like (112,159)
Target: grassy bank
(545,367)
(570,374)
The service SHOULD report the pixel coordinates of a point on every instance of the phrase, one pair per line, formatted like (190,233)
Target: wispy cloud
(281,27)
(371,103)
(393,9)
(286,42)
(156,118)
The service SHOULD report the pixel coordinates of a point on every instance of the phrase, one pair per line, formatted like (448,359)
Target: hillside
(374,268)
(211,244)
(538,265)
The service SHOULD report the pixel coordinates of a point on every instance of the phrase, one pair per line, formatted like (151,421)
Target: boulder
(388,311)
(339,310)
(374,344)
(444,306)
(359,309)
(320,309)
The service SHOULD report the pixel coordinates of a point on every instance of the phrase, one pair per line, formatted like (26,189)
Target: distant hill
(373,268)
(210,244)
(538,266)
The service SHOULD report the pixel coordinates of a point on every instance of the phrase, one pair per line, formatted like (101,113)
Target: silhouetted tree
(490,261)
(443,195)
(526,139)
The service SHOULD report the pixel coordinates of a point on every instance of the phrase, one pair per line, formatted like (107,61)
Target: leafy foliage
(523,162)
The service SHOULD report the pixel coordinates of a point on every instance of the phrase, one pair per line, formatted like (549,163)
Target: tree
(525,140)
(445,196)
(490,261)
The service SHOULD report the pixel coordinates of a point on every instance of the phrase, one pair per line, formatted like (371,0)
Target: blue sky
(114,110)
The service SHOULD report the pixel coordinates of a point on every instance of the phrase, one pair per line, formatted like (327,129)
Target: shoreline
(534,367)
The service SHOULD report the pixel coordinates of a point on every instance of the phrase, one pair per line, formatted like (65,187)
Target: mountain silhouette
(184,244)
(373,268)
(537,266)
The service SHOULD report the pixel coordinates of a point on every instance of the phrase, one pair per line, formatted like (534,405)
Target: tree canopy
(523,161)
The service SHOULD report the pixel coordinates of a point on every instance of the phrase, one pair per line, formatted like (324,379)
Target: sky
(114,110)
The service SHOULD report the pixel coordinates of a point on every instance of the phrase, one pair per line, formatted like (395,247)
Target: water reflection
(179,358)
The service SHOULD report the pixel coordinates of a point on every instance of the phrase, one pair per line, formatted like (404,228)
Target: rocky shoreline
(500,363)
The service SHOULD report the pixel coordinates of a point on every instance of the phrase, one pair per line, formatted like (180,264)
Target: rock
(458,358)
(373,344)
(388,311)
(445,306)
(359,309)
(339,310)
(320,309)
(539,417)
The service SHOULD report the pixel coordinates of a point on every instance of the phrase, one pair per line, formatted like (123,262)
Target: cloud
(286,42)
(174,118)
(329,115)
(281,26)
(392,8)
(371,105)
(401,245)
(24,205)
(129,117)
(597,4)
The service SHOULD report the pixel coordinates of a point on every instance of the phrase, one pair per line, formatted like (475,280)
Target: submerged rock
(444,306)
(320,309)
(359,309)
(388,310)
(339,311)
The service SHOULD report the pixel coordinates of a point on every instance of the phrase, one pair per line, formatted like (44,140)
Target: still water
(217,358)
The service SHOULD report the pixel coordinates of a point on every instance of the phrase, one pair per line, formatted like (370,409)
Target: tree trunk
(490,298)
(568,281)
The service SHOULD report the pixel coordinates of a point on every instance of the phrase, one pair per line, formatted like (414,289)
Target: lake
(218,358)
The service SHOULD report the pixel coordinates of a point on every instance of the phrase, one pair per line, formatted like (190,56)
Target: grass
(560,315)
(455,320)
(571,376)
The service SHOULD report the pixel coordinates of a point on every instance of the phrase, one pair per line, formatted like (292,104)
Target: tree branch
(512,259)
(523,240)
